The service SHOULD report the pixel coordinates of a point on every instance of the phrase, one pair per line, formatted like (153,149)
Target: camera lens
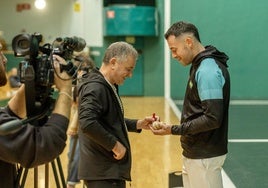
(24,44)
(21,44)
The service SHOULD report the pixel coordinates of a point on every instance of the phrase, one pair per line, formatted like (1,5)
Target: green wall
(12,61)
(153,57)
(237,27)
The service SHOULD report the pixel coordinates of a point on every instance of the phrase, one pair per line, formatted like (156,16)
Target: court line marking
(248,140)
(174,107)
(236,102)
(227,182)
(249,102)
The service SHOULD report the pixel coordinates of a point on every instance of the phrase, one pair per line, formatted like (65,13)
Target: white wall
(58,19)
(85,22)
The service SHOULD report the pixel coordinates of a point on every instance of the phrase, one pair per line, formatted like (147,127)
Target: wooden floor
(154,157)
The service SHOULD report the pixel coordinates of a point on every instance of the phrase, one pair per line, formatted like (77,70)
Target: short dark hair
(182,27)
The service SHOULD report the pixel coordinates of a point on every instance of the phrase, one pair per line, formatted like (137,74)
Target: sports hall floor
(154,157)
(246,164)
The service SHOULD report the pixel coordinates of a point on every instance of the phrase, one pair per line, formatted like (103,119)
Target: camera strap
(30,91)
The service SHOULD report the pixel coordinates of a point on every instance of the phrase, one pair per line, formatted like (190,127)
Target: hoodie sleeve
(33,145)
(210,80)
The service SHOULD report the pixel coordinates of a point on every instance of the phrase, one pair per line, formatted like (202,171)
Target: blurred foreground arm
(35,145)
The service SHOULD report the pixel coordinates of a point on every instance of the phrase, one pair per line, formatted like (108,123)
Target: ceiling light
(40,4)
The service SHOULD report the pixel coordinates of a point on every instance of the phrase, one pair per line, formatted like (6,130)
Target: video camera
(37,70)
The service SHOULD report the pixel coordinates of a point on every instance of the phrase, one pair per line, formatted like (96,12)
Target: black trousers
(105,183)
(8,174)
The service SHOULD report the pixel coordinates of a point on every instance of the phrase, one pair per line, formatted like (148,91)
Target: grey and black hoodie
(204,119)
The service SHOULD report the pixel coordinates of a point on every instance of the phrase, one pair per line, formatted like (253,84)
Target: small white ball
(157,125)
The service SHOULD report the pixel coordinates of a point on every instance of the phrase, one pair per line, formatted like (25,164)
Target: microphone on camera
(76,43)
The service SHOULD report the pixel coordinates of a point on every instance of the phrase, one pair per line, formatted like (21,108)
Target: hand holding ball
(157,125)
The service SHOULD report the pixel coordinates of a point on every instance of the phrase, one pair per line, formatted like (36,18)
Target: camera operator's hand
(61,79)
(64,84)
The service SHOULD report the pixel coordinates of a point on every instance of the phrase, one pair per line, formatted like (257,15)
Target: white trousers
(203,173)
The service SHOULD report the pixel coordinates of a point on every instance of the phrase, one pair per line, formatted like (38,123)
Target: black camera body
(37,70)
